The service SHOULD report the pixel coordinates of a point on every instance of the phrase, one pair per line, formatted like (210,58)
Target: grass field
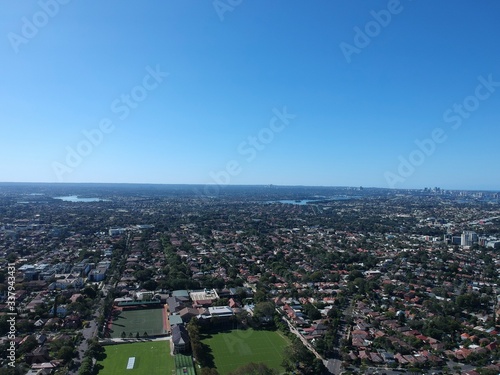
(236,348)
(151,358)
(184,365)
(149,320)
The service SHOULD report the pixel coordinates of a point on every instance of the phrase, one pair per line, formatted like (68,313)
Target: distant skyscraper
(469,238)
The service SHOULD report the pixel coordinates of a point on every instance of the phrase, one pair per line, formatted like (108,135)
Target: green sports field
(149,320)
(238,347)
(184,365)
(151,358)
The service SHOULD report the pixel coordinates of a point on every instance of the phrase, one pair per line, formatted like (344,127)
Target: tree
(242,293)
(355,274)
(11,258)
(90,292)
(124,334)
(193,329)
(264,311)
(86,367)
(298,356)
(28,345)
(260,296)
(221,302)
(242,317)
(389,289)
(312,312)
(318,367)
(95,349)
(143,275)
(18,370)
(150,285)
(334,313)
(66,353)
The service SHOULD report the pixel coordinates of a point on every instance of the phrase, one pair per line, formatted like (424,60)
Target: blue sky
(353,117)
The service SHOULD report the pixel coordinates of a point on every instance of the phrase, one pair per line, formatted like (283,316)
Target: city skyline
(390,94)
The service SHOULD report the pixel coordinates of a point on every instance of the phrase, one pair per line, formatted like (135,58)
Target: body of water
(297,202)
(302,202)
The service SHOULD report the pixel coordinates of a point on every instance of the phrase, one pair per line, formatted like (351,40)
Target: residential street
(87,333)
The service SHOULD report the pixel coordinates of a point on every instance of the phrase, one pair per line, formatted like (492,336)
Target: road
(88,333)
(306,343)
(475,222)
(335,365)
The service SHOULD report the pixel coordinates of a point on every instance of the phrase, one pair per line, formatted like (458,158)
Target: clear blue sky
(229,71)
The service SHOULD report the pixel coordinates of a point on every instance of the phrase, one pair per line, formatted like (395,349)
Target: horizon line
(244,185)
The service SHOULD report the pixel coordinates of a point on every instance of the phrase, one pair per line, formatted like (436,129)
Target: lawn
(148,320)
(236,348)
(151,358)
